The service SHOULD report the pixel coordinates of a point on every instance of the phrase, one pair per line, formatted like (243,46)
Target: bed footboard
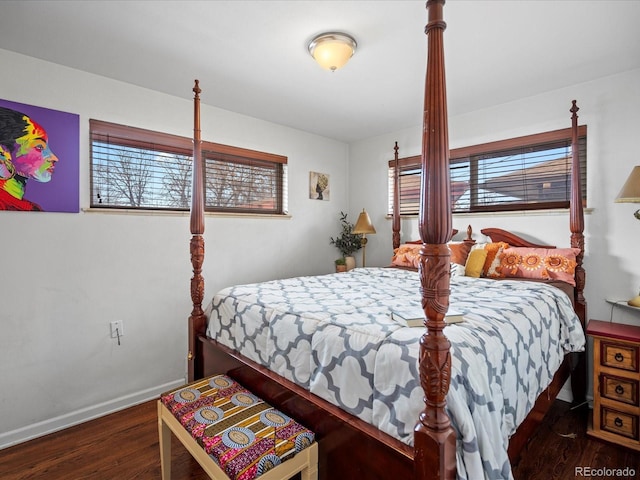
(348,447)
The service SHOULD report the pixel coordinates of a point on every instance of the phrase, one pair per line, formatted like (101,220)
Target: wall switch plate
(117,329)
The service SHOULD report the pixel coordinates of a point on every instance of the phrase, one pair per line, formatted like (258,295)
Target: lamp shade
(363,225)
(630,192)
(332,50)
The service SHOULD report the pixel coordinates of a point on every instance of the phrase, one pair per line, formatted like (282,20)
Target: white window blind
(135,168)
(525,173)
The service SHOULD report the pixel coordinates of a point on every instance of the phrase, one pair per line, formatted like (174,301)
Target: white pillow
(457,270)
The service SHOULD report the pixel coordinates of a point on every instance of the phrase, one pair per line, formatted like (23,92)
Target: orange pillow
(491,263)
(539,263)
(407,255)
(459,252)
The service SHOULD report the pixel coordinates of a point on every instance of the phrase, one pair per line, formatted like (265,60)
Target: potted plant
(347,243)
(341,265)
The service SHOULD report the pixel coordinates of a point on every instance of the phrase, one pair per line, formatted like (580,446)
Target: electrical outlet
(117,329)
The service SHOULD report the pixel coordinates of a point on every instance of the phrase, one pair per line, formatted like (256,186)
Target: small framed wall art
(319,187)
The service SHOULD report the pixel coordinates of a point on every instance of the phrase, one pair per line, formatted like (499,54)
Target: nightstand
(616,383)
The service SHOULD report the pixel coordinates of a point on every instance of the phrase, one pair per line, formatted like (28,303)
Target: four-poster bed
(351,447)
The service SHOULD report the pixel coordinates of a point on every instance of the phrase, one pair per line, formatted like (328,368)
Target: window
(525,173)
(134,168)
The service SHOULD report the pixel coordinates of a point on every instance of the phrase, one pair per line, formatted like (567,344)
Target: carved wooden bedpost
(576,214)
(434,438)
(576,220)
(197,321)
(396,199)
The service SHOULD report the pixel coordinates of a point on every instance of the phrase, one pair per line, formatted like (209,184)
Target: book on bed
(413,316)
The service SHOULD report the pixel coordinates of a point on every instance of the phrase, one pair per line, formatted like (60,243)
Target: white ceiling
(251,56)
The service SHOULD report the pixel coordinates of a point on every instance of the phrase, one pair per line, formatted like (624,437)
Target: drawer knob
(619,389)
(618,422)
(619,357)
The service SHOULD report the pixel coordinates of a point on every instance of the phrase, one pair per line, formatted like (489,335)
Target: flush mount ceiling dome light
(332,50)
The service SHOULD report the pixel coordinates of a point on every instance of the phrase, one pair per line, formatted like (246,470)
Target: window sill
(521,213)
(512,213)
(174,213)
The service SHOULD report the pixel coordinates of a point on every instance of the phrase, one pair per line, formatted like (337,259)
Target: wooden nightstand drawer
(619,389)
(619,355)
(619,423)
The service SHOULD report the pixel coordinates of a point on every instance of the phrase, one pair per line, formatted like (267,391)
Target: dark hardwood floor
(553,453)
(124,445)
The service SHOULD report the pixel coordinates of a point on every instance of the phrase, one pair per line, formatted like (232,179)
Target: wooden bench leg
(168,426)
(164,434)
(311,472)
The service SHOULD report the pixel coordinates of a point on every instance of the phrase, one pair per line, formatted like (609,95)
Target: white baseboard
(565,393)
(70,419)
(45,427)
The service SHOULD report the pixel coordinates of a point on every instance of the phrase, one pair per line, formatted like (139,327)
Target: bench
(234,434)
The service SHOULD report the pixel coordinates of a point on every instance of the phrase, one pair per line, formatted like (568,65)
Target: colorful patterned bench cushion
(243,434)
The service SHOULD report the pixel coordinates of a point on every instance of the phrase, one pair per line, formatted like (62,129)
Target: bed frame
(349,447)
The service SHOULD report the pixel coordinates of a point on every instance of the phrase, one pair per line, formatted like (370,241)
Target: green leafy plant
(341,261)
(347,242)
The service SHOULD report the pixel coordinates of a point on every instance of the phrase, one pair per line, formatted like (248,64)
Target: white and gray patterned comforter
(334,335)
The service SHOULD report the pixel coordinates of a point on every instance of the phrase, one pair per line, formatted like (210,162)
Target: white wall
(66,276)
(610,107)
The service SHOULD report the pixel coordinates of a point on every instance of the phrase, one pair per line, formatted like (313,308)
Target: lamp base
(634,302)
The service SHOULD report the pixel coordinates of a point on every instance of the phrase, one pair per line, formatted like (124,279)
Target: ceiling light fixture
(332,50)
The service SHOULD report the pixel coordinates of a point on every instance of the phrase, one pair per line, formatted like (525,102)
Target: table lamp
(363,226)
(630,193)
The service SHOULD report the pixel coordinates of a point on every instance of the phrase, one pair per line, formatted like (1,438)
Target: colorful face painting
(32,176)
(33,157)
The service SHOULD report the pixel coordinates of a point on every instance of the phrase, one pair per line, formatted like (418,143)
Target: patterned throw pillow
(539,263)
(407,255)
(492,262)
